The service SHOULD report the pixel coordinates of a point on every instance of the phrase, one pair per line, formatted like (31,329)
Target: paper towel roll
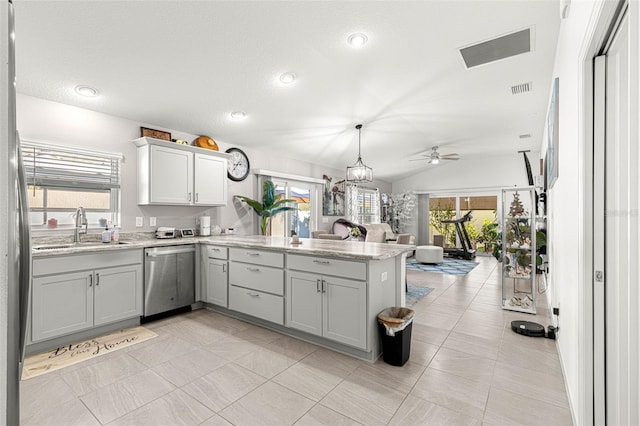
(205,225)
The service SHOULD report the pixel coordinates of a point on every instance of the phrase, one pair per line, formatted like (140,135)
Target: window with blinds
(61,179)
(364,205)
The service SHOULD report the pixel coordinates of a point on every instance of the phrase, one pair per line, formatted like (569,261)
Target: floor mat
(448,266)
(414,294)
(63,356)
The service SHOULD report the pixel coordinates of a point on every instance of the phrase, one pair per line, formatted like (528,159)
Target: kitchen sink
(74,245)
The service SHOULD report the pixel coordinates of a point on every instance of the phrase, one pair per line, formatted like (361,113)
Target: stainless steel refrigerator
(15,241)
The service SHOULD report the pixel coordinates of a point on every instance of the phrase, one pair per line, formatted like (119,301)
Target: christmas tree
(516,209)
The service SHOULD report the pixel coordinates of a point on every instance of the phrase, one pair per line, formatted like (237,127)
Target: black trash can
(395,326)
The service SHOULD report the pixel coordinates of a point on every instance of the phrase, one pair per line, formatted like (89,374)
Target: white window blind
(364,205)
(65,167)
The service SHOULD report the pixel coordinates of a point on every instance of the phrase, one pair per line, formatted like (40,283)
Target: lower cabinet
(215,273)
(256,283)
(216,282)
(331,307)
(117,294)
(259,304)
(67,302)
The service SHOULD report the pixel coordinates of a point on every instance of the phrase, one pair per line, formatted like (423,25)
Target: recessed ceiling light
(87,91)
(357,40)
(238,115)
(287,78)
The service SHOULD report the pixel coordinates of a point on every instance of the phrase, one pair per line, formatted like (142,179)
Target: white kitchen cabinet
(331,307)
(256,283)
(74,293)
(215,275)
(173,174)
(61,304)
(210,180)
(117,294)
(217,282)
(170,176)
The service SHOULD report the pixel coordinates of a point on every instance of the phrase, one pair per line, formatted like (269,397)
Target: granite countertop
(42,247)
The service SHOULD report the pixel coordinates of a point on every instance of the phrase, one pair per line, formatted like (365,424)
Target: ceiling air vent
(521,88)
(496,49)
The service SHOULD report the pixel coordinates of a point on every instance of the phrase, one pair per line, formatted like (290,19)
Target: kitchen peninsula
(323,291)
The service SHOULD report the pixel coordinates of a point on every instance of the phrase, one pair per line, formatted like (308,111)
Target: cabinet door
(117,294)
(171,176)
(217,282)
(61,304)
(304,302)
(344,316)
(210,180)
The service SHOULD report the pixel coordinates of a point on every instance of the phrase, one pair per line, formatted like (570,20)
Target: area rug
(64,356)
(448,266)
(414,294)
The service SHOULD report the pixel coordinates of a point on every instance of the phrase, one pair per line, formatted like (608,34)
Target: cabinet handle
(224,267)
(189,195)
(254,269)
(214,249)
(253,294)
(97,279)
(90,280)
(321,262)
(196,197)
(318,285)
(253,254)
(324,287)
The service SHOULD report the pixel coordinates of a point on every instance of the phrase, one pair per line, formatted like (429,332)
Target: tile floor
(466,368)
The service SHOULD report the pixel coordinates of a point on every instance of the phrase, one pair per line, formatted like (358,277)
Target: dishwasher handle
(164,252)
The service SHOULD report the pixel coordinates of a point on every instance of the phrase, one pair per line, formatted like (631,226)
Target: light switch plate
(152,221)
(139,221)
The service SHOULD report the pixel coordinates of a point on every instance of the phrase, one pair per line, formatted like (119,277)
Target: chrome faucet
(81,220)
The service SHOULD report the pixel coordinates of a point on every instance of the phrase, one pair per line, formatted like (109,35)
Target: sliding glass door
(302,219)
(451,207)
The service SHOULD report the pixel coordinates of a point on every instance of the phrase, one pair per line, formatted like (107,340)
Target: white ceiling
(186,65)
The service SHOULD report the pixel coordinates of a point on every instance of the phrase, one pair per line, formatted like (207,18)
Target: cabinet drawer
(259,257)
(257,277)
(257,304)
(216,252)
(328,266)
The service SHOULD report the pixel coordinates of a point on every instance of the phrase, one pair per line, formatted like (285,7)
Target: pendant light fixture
(359,172)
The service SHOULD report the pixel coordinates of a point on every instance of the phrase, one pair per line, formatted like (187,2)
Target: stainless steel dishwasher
(169,278)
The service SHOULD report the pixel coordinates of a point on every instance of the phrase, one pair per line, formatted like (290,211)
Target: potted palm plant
(271,205)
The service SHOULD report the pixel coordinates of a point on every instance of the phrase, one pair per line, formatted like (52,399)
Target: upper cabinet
(173,174)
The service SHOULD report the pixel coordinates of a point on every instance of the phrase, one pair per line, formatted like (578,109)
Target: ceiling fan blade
(418,159)
(449,158)
(449,155)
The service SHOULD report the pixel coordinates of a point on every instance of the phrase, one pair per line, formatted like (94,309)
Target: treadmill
(464,252)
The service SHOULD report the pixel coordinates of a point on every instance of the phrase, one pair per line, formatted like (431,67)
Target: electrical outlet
(139,222)
(383,276)
(325,220)
(152,221)
(556,311)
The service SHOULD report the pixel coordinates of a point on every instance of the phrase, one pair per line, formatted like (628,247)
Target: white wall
(466,175)
(46,121)
(566,206)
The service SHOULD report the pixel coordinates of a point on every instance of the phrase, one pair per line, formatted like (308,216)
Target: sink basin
(73,245)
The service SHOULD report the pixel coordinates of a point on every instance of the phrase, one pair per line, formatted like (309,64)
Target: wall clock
(238,165)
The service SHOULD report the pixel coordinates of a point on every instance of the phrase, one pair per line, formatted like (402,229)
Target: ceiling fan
(434,156)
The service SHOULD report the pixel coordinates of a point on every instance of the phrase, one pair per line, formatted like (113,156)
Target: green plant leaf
(255,205)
